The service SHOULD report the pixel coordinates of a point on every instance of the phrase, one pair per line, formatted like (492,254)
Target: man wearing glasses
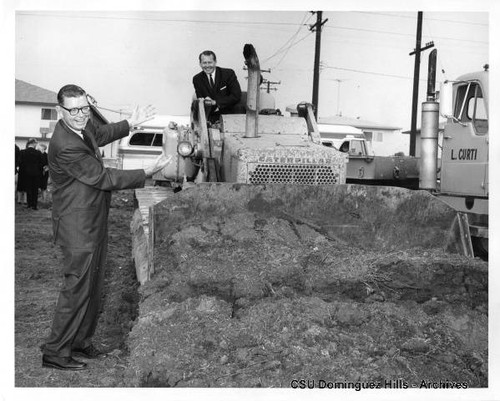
(81,199)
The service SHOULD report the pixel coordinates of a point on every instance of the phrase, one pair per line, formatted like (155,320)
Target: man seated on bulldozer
(217,84)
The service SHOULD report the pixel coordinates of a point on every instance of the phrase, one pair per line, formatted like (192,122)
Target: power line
(292,45)
(432,19)
(366,72)
(238,23)
(281,49)
(402,34)
(157,19)
(228,22)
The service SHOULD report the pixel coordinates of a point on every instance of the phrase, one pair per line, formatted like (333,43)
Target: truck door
(357,148)
(464,169)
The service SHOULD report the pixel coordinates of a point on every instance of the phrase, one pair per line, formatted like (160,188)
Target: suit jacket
(82,185)
(226,91)
(31,163)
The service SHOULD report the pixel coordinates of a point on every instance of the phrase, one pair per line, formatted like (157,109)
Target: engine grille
(305,174)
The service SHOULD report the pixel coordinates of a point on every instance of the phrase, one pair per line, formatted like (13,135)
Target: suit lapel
(87,138)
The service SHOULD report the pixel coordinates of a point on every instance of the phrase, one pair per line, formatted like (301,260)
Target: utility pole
(317,26)
(268,84)
(416,77)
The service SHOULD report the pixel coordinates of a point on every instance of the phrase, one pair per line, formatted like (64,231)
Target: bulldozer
(263,161)
(257,147)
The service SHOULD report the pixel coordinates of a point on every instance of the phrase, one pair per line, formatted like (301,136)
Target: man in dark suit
(217,84)
(31,168)
(81,198)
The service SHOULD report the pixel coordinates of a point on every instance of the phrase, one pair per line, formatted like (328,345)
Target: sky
(125,58)
(145,52)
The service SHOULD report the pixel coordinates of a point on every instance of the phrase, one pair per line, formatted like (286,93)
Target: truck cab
(464,165)
(464,178)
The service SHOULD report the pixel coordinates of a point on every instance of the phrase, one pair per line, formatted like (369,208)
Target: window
(142,139)
(146,139)
(470,106)
(158,140)
(356,148)
(49,114)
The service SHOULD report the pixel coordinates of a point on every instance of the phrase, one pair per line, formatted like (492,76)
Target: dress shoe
(90,352)
(62,363)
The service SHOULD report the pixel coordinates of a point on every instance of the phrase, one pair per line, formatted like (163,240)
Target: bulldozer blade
(368,217)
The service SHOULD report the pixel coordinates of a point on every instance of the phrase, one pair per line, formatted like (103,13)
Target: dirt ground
(324,315)
(37,279)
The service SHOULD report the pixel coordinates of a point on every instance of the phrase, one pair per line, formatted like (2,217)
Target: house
(386,140)
(36,114)
(418,144)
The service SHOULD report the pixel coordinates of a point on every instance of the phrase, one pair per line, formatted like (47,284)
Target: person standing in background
(20,187)
(17,157)
(45,172)
(31,170)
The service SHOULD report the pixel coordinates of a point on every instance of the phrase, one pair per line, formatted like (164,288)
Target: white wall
(392,142)
(28,121)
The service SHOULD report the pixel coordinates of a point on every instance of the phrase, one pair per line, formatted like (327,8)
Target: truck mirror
(446,99)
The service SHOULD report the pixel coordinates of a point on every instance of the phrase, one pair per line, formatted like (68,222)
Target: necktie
(211,81)
(87,141)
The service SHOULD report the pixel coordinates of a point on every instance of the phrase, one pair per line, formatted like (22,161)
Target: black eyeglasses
(74,111)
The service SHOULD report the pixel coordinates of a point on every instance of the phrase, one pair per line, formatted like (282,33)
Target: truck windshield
(470,107)
(356,148)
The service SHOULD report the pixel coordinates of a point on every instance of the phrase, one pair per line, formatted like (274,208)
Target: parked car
(144,144)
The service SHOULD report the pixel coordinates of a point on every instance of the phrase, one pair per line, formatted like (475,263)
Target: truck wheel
(480,246)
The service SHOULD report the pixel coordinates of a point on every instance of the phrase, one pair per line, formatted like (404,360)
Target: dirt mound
(250,299)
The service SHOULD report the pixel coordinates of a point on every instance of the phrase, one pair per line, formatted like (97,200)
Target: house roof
(442,124)
(29,93)
(356,122)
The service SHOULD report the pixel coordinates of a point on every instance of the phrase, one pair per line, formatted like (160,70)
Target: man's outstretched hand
(161,162)
(141,114)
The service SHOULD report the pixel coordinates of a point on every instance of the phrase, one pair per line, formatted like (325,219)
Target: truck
(364,167)
(460,178)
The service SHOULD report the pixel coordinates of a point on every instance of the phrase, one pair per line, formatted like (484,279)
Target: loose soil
(37,280)
(259,316)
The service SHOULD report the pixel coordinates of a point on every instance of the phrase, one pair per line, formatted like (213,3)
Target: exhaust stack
(429,146)
(429,131)
(252,106)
